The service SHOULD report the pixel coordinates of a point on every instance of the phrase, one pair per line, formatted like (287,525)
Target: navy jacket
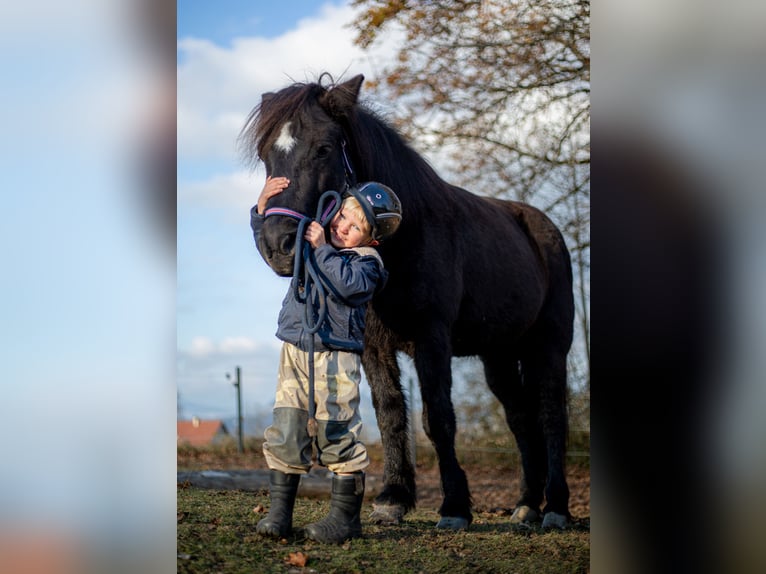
(351,277)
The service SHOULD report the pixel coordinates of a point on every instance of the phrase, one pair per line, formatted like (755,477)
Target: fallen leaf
(297,559)
(259,509)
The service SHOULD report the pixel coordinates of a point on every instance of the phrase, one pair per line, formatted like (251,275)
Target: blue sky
(225,20)
(227,299)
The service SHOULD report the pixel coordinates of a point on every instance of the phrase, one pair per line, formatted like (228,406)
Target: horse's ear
(339,100)
(266,98)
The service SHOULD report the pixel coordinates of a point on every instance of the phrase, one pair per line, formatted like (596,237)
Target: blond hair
(352,205)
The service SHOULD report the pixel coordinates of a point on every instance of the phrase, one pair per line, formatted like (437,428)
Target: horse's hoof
(554,520)
(524,515)
(453,523)
(387,514)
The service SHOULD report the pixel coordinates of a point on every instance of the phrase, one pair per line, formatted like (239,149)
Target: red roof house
(197,432)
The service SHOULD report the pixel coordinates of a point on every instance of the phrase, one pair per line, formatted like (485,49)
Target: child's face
(347,230)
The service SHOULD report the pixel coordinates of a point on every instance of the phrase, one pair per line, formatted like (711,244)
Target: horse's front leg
(433,362)
(382,370)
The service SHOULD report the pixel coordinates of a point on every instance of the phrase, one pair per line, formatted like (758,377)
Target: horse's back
(506,256)
(536,225)
(505,239)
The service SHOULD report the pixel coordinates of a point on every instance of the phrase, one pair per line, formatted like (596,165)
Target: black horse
(469,276)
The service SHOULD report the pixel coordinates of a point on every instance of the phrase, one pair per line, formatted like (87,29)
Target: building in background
(197,432)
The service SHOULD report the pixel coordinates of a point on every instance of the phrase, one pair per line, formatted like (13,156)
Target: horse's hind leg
(521,402)
(382,370)
(544,368)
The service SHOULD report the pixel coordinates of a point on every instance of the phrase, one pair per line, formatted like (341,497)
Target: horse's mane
(262,124)
(382,154)
(378,151)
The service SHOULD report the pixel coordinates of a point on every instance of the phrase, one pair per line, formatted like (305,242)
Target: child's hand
(273,186)
(314,234)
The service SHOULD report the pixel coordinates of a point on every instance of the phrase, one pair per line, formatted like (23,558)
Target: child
(353,272)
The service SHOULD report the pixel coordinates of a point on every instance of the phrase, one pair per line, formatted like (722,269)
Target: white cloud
(230,345)
(237,189)
(201,347)
(218,86)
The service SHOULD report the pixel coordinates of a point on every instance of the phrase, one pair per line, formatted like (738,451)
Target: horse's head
(298,133)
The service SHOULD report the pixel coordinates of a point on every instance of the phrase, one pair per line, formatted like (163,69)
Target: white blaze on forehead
(285,141)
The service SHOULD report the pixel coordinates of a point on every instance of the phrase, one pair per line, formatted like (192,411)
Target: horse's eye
(323,151)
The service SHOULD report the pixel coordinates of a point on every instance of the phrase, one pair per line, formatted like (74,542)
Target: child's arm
(272,187)
(349,278)
(353,279)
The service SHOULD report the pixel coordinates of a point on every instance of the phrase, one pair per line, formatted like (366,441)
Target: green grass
(216,534)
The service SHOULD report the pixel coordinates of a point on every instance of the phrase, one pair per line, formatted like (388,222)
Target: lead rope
(308,284)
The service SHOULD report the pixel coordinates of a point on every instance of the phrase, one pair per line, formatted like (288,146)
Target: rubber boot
(278,523)
(343,522)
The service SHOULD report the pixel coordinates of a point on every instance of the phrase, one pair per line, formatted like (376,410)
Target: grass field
(216,528)
(216,534)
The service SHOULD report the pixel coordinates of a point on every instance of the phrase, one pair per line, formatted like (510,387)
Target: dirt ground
(494,489)
(497,491)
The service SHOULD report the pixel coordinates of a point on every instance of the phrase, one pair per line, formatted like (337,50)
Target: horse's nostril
(266,251)
(286,244)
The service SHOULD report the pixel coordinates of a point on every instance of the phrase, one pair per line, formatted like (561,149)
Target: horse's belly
(474,337)
(501,318)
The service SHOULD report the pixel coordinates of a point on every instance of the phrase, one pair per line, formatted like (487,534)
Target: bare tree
(502,88)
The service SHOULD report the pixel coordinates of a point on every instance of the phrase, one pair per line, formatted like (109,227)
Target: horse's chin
(282,266)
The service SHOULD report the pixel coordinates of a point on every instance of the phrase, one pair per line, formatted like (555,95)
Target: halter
(322,217)
(350,175)
(284,211)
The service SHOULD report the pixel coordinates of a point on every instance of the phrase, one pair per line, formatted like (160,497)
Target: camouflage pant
(336,391)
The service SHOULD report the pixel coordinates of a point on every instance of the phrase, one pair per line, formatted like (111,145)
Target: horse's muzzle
(277,245)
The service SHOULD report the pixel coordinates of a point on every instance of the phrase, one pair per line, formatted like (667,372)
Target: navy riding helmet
(381,206)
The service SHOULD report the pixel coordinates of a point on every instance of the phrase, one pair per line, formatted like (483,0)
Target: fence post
(240,444)
(238,385)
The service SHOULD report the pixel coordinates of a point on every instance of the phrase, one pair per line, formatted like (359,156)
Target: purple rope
(327,212)
(284,211)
